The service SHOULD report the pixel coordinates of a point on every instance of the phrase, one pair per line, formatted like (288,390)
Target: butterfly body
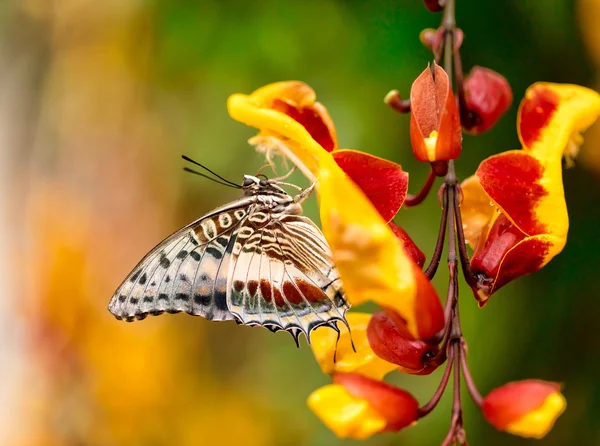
(256,261)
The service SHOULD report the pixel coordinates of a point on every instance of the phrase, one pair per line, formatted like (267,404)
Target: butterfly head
(256,185)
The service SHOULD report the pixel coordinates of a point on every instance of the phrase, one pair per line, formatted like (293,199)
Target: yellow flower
(357,407)
(526,408)
(514,209)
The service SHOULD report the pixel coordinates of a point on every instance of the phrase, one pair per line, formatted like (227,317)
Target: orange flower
(435,132)
(358,195)
(514,210)
(526,408)
(357,407)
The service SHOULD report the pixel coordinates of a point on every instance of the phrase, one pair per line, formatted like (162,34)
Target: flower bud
(410,246)
(393,345)
(435,132)
(357,407)
(433,5)
(488,95)
(433,39)
(526,408)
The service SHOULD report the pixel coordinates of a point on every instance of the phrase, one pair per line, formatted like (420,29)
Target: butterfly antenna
(286,176)
(187,158)
(195,172)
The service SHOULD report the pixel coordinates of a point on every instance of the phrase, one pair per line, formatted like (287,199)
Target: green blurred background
(97,102)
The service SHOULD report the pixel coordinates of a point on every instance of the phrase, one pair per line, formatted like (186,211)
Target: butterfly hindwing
(187,272)
(282,276)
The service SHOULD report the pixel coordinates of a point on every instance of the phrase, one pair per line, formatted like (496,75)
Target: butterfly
(256,261)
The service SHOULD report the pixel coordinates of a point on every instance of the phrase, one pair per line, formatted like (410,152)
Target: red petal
(535,113)
(391,344)
(410,247)
(314,118)
(511,180)
(383,182)
(510,402)
(397,406)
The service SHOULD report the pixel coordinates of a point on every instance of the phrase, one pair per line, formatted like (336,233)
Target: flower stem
(473,391)
(439,245)
(413,200)
(435,399)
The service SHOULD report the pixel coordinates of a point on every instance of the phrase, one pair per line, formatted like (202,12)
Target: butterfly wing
(186,272)
(283,277)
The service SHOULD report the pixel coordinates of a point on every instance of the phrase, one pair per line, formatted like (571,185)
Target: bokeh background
(97,102)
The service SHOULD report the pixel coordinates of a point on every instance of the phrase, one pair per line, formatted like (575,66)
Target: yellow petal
(363,361)
(346,415)
(537,423)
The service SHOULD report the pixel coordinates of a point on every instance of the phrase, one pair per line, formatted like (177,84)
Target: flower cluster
(512,212)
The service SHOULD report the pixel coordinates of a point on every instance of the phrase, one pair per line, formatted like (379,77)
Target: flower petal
(326,346)
(391,344)
(551,114)
(297,100)
(382,181)
(477,209)
(344,414)
(398,407)
(410,246)
(531,202)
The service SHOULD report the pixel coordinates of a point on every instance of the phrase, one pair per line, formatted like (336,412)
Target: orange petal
(382,181)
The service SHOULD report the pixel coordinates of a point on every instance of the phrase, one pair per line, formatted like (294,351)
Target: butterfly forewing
(187,272)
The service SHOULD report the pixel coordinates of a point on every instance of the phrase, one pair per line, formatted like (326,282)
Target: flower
(488,96)
(514,210)
(357,407)
(435,132)
(526,408)
(352,351)
(373,264)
